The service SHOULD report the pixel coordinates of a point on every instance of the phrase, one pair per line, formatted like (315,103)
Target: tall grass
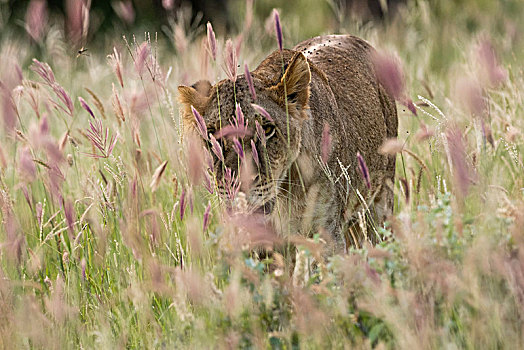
(113,236)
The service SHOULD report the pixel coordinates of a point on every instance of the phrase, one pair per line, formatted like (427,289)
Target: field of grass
(110,238)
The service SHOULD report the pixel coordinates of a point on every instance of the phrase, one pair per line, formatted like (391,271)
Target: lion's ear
(196,96)
(296,81)
(203,87)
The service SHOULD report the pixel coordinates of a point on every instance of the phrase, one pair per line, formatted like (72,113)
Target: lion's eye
(269,130)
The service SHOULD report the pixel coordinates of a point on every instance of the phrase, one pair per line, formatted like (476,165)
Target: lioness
(327,80)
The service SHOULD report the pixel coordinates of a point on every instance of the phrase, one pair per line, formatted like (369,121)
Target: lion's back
(332,50)
(366,114)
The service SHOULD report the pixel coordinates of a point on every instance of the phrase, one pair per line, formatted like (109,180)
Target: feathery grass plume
(69,213)
(209,182)
(194,237)
(258,232)
(63,96)
(205,219)
(390,74)
(195,158)
(512,134)
(117,106)
(157,176)
(249,80)
(39,134)
(96,101)
(141,58)
(55,179)
(56,303)
(260,110)
(260,133)
(278,28)
(155,71)
(238,128)
(36,19)
(19,76)
(493,73)
(54,155)
(85,106)
(391,146)
(230,60)
(240,120)
(124,10)
(137,103)
(216,148)
(363,169)
(3,159)
(83,266)
(44,71)
(33,98)
(43,126)
(116,63)
(233,299)
(247,173)
(208,160)
(9,114)
(326,143)
(190,199)
(39,212)
(101,139)
(211,42)
(63,140)
(203,58)
(194,287)
(201,124)
(26,166)
(248,19)
(308,313)
(13,241)
(424,132)
(237,147)
(182,204)
(254,153)
(133,190)
(410,105)
(231,183)
(157,269)
(25,192)
(230,131)
(180,38)
(462,172)
(77,20)
(405,187)
(238,43)
(471,96)
(11,76)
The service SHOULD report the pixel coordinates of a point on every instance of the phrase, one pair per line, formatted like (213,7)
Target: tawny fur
(328,79)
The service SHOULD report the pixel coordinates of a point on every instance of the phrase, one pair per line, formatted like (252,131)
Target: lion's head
(277,139)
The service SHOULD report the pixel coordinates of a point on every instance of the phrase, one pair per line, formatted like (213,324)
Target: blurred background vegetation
(169,20)
(313,16)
